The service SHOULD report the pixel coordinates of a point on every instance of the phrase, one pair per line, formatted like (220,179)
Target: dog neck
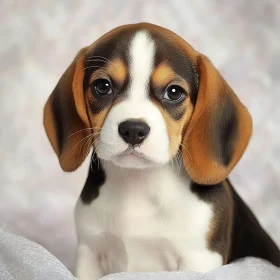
(105,176)
(133,177)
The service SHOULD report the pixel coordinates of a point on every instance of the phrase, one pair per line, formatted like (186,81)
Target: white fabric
(21,259)
(246,269)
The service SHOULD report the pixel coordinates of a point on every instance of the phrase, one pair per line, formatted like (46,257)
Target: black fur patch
(207,193)
(96,178)
(248,236)
(101,103)
(224,130)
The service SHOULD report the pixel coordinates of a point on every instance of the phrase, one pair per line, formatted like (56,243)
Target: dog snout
(133,132)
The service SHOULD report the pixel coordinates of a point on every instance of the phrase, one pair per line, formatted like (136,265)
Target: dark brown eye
(102,87)
(174,93)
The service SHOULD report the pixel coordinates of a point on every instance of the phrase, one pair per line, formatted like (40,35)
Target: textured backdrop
(38,42)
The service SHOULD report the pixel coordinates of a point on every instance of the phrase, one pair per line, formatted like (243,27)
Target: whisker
(97,59)
(186,150)
(133,170)
(105,162)
(171,140)
(92,66)
(181,159)
(178,156)
(176,161)
(94,142)
(172,164)
(86,145)
(79,131)
(85,141)
(98,162)
(123,173)
(94,157)
(91,159)
(91,128)
(89,146)
(82,140)
(98,56)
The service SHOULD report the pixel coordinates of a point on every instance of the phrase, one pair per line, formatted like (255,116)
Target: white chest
(147,222)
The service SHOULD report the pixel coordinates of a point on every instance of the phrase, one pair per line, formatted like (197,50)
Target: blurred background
(39,40)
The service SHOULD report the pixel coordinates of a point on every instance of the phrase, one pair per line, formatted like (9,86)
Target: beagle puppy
(165,130)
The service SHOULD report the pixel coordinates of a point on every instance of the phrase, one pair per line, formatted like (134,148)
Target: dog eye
(102,87)
(174,93)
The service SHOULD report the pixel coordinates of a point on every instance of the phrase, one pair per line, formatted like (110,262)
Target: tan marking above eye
(164,75)
(115,70)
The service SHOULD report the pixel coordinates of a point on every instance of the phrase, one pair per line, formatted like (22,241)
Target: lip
(130,151)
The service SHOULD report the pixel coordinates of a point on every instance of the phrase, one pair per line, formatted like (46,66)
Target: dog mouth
(132,158)
(132,152)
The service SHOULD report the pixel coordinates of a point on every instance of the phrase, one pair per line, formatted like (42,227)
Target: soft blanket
(21,259)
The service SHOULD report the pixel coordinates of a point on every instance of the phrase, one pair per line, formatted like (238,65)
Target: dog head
(141,94)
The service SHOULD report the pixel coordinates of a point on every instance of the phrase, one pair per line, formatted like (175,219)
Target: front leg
(88,265)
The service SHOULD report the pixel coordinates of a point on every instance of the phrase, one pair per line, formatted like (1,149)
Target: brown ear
(65,114)
(219,129)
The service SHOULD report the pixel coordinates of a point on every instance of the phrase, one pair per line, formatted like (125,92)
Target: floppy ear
(218,131)
(65,114)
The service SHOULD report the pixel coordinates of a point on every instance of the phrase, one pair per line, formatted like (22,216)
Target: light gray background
(39,40)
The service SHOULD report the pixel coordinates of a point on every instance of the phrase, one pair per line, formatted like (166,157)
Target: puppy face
(140,94)
(139,100)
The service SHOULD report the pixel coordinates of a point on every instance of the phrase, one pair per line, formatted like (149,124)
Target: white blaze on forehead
(142,52)
(137,105)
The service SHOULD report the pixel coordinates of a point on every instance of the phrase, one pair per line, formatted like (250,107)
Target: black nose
(133,131)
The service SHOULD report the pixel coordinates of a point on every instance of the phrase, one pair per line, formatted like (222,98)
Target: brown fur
(203,167)
(116,70)
(163,75)
(65,113)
